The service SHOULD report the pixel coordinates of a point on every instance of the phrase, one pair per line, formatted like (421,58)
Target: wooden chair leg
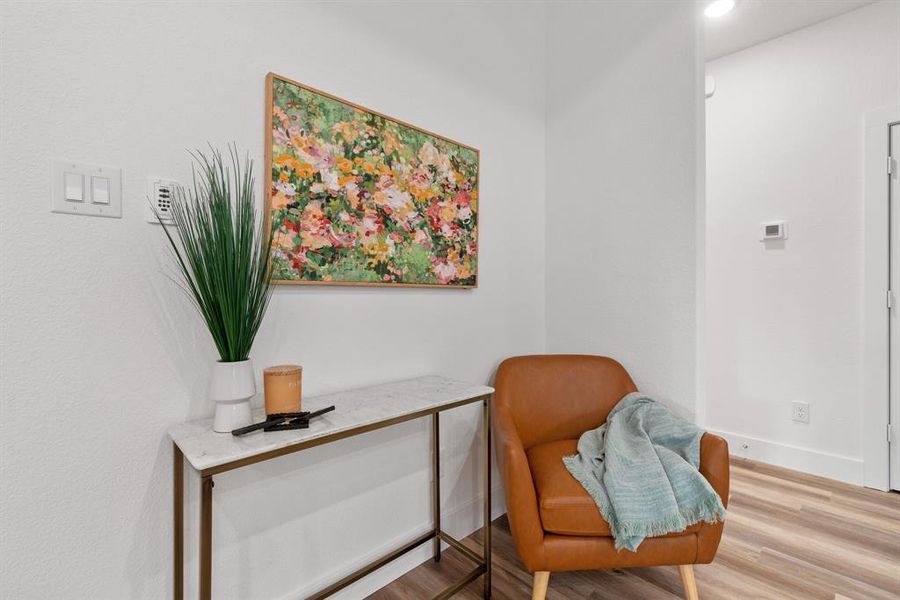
(688,581)
(541,579)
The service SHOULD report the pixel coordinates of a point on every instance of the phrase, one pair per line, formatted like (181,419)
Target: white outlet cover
(800,412)
(109,200)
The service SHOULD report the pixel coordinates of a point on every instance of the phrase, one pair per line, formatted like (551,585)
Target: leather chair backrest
(559,396)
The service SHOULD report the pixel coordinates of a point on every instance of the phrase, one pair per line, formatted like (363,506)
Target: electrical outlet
(800,412)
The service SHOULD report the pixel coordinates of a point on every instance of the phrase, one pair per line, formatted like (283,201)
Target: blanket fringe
(711,510)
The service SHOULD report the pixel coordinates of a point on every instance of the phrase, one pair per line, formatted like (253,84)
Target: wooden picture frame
(401,213)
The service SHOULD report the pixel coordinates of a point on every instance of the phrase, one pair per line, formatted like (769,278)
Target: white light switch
(99,190)
(74,187)
(86,189)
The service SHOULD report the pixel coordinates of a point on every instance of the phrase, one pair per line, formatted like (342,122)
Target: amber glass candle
(283,386)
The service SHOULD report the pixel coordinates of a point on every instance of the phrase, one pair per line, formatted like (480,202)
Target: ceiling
(755,21)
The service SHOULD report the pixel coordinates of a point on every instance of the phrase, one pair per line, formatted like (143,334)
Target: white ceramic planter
(231,385)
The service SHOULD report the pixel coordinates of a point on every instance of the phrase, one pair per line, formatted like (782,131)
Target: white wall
(96,339)
(94,335)
(622,152)
(785,135)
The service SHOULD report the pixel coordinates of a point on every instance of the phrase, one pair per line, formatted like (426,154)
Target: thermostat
(773,230)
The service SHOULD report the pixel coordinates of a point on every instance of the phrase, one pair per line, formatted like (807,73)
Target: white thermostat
(773,230)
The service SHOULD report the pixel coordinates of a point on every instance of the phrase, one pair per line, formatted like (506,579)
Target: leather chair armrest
(521,497)
(715,467)
(714,464)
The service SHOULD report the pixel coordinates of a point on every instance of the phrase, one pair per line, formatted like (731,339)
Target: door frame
(876,279)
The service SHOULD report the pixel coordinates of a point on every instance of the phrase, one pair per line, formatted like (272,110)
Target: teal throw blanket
(640,467)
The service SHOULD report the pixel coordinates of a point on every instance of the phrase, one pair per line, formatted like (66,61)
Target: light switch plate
(101,189)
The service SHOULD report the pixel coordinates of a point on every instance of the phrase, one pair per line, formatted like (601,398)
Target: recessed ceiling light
(718,8)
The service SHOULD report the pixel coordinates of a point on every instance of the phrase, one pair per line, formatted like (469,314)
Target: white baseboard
(832,466)
(460,522)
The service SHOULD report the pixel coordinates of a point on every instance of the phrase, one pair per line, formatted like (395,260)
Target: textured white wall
(785,135)
(622,152)
(96,339)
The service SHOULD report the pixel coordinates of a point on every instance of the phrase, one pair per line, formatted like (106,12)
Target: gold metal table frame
(483,563)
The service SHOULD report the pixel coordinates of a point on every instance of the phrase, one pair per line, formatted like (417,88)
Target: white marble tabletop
(359,407)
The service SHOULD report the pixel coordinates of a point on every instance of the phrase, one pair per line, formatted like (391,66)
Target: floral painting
(360,198)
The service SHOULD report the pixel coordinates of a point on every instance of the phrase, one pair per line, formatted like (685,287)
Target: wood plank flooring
(788,535)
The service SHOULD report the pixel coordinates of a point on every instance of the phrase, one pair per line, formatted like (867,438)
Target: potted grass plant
(221,253)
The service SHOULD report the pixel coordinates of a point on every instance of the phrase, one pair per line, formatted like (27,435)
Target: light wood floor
(787,535)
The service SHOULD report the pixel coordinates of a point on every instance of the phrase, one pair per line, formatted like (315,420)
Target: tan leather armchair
(542,404)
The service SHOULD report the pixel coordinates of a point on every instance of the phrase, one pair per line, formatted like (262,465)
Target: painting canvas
(359,198)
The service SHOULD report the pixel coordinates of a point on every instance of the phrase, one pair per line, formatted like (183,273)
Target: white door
(894,203)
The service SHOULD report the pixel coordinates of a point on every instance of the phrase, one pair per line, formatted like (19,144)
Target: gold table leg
(436,474)
(178,512)
(206,486)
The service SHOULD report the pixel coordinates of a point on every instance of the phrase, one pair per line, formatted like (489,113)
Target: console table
(356,411)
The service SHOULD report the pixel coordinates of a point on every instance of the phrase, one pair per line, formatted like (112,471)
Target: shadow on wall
(144,564)
(179,329)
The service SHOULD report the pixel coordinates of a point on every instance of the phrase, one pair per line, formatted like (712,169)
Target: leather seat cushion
(565,507)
